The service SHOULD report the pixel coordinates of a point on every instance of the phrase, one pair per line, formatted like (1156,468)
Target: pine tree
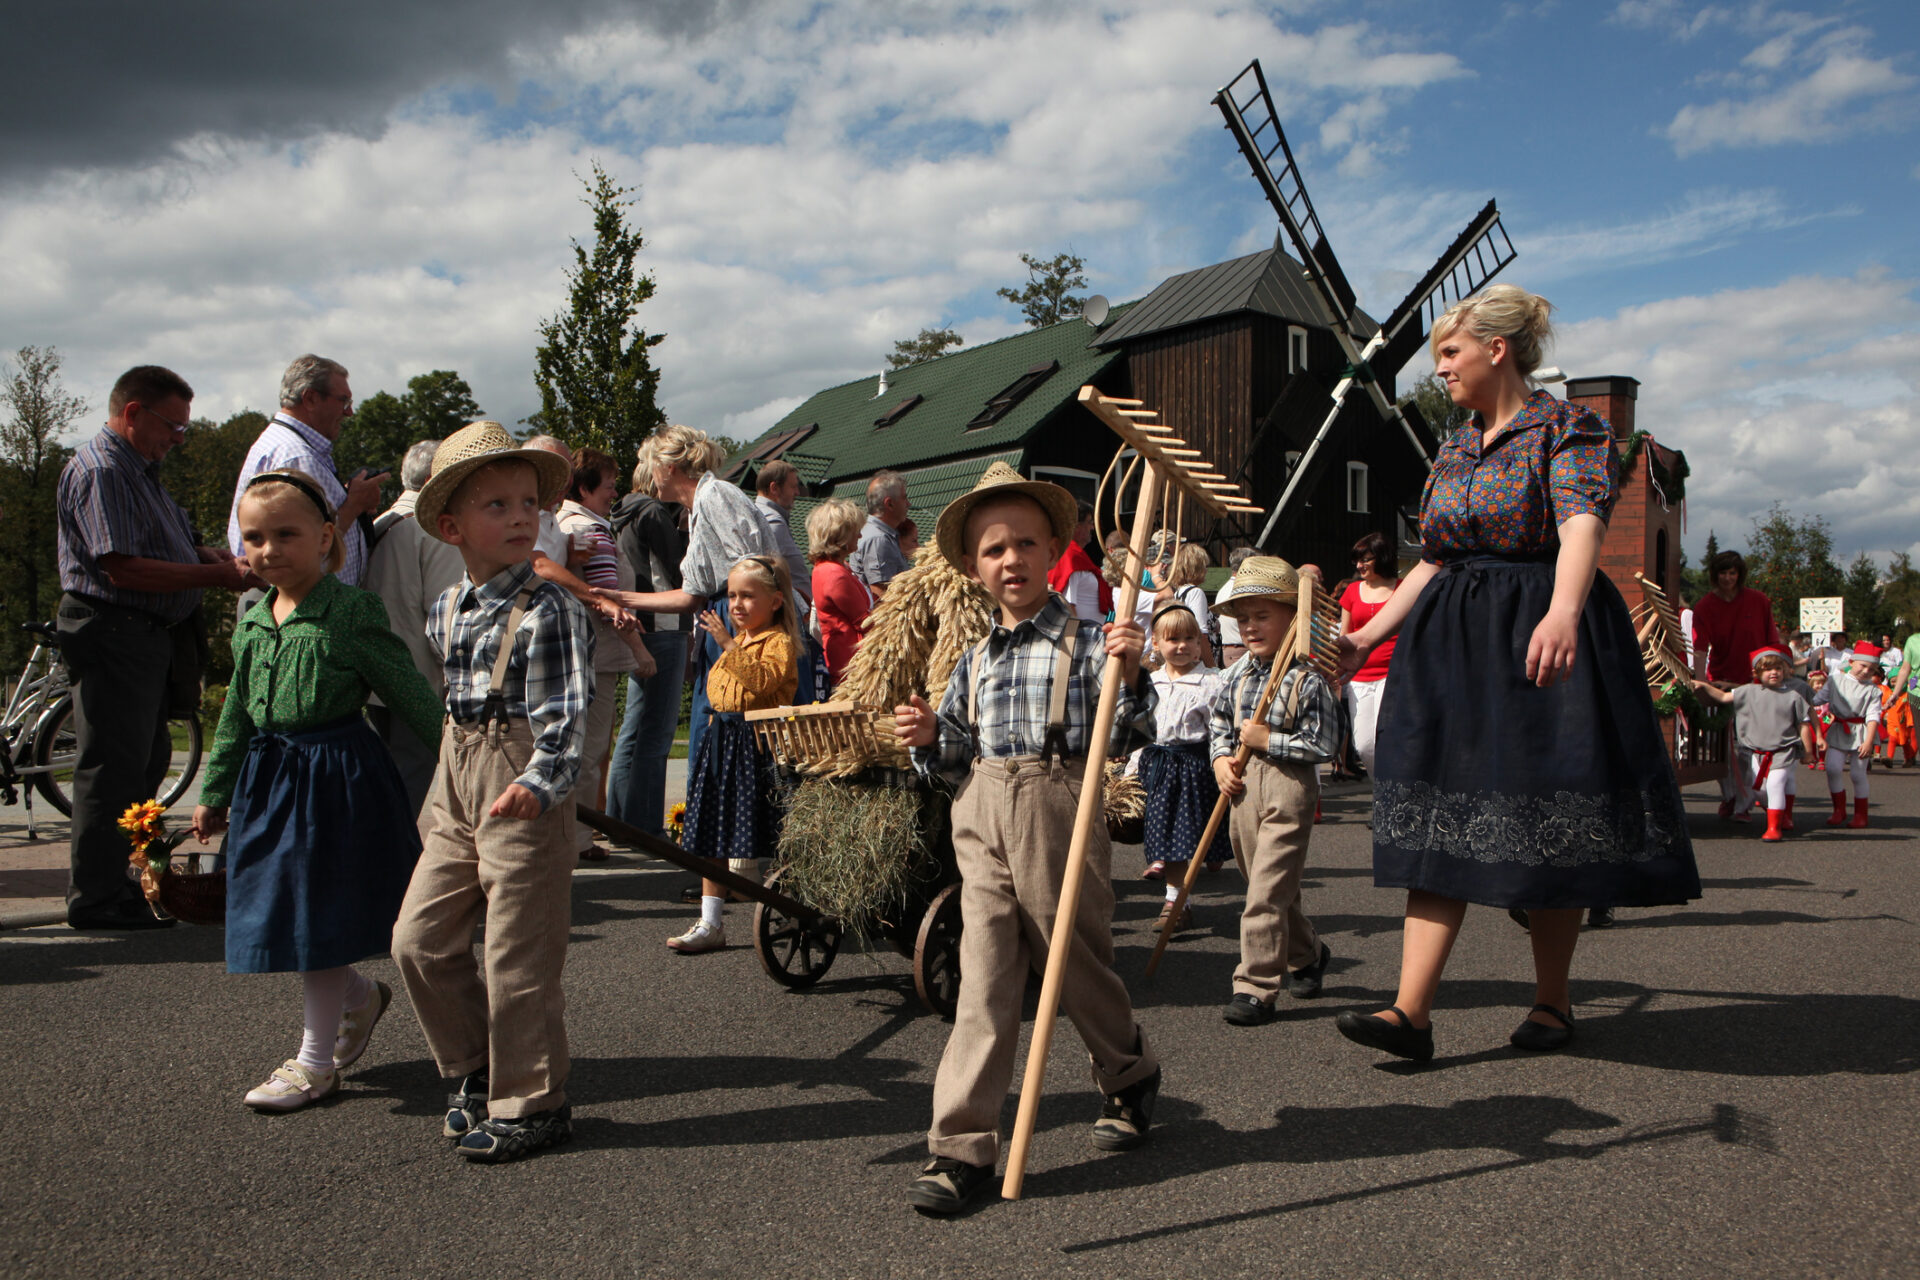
(926,345)
(592,367)
(1046,298)
(40,410)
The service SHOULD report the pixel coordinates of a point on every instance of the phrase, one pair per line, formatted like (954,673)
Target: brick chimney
(1611,397)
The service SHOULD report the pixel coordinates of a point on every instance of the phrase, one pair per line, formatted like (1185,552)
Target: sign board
(1822,613)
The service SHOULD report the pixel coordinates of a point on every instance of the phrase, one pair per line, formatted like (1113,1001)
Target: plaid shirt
(1015,685)
(1312,741)
(549,677)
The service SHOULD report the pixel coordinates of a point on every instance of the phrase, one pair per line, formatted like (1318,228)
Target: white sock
(710,910)
(326,994)
(1173,889)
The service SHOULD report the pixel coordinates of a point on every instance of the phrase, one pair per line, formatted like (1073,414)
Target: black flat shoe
(1600,917)
(1519,916)
(1304,984)
(1540,1037)
(1401,1039)
(1245,1011)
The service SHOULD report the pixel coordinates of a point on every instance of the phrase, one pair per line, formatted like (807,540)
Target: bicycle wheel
(56,746)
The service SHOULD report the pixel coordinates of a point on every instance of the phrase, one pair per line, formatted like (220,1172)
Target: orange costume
(1896,722)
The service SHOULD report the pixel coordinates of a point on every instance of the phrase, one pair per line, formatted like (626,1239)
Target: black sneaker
(1305,983)
(1125,1118)
(499,1141)
(466,1108)
(1245,1011)
(947,1185)
(1600,917)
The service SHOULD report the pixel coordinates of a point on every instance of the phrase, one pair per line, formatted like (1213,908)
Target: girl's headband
(301,483)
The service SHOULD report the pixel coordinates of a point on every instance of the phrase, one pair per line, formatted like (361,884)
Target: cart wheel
(936,956)
(795,953)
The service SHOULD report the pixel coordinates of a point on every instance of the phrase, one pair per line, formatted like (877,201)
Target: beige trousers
(517,876)
(1012,823)
(1269,824)
(606,688)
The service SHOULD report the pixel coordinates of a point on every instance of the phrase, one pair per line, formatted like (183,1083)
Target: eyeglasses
(177,426)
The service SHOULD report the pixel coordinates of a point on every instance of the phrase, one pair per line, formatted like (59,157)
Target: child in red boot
(1771,729)
(1853,696)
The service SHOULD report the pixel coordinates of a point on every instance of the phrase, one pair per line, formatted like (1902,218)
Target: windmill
(1475,257)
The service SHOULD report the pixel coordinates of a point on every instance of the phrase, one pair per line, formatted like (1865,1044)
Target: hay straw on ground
(853,850)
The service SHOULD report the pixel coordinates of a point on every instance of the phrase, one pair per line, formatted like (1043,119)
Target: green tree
(1867,613)
(384,426)
(1792,557)
(596,378)
(926,345)
(1901,596)
(39,410)
(1430,396)
(1696,579)
(1047,296)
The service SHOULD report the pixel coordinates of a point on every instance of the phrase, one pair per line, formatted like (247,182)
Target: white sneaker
(702,937)
(292,1087)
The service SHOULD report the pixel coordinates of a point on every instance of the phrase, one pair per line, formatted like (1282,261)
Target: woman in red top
(841,601)
(1379,569)
(1732,620)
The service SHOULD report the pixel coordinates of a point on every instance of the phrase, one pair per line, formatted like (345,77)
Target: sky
(1718,198)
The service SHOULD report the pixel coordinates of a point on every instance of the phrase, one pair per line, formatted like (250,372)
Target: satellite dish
(1095,310)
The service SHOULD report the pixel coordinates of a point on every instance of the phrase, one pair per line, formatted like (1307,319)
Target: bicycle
(42,742)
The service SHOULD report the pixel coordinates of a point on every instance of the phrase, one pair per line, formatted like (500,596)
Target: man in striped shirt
(131,574)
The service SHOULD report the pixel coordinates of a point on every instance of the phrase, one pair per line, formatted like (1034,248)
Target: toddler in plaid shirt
(1013,728)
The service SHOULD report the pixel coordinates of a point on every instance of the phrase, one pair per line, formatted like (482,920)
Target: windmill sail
(1476,256)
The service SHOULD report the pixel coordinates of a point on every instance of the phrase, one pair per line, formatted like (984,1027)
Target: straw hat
(1267,577)
(472,447)
(1002,481)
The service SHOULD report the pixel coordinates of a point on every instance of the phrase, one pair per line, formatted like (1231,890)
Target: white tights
(1780,781)
(1841,764)
(329,994)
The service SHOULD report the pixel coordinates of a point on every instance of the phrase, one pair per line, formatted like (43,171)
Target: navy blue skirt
(1490,789)
(732,811)
(1181,793)
(321,845)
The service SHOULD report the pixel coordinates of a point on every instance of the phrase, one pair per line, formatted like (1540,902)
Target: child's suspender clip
(495,710)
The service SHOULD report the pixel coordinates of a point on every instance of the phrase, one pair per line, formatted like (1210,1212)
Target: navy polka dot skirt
(732,811)
(1181,793)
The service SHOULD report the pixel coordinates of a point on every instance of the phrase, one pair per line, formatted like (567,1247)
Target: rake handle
(1060,945)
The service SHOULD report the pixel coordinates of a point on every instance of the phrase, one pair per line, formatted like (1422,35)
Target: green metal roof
(930,489)
(955,388)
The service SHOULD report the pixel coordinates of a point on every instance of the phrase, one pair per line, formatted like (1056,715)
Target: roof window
(1019,389)
(898,411)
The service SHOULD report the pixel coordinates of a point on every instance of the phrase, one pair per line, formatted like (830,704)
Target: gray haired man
(878,558)
(314,400)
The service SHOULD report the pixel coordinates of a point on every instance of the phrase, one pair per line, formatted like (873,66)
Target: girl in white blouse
(1181,790)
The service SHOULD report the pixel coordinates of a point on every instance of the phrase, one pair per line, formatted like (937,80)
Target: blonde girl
(1181,790)
(322,838)
(731,814)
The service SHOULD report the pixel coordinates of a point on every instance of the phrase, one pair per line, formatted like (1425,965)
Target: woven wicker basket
(194,897)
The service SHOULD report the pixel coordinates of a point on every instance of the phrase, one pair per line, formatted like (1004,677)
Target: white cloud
(815,182)
(1805,392)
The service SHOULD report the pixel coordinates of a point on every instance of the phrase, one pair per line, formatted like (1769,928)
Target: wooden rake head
(1315,634)
(1663,646)
(1179,469)
(827,737)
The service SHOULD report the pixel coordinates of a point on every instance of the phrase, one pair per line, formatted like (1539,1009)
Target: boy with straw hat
(500,841)
(1275,794)
(1013,730)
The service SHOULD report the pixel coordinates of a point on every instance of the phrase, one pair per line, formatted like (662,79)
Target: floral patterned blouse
(1554,461)
(316,667)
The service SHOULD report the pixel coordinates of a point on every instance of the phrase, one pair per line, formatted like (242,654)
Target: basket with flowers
(195,897)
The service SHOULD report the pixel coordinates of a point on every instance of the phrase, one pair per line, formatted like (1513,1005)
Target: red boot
(1859,814)
(1774,817)
(1839,818)
(1786,822)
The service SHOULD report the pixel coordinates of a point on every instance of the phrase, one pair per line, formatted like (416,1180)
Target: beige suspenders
(1056,738)
(496,705)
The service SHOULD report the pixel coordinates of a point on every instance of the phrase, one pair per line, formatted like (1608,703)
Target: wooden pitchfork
(1168,464)
(1314,632)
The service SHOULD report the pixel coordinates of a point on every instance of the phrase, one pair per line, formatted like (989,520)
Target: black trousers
(119,660)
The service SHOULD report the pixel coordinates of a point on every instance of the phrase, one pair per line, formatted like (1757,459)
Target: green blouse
(316,667)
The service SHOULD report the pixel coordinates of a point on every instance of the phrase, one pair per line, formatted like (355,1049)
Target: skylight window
(1019,389)
(898,411)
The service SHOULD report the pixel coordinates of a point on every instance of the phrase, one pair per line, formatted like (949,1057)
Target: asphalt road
(1742,1101)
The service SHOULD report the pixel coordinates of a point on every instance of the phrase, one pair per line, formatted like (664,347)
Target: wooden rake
(1663,646)
(1313,634)
(825,736)
(1168,464)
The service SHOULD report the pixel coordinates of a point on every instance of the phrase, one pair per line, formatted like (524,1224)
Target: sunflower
(677,822)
